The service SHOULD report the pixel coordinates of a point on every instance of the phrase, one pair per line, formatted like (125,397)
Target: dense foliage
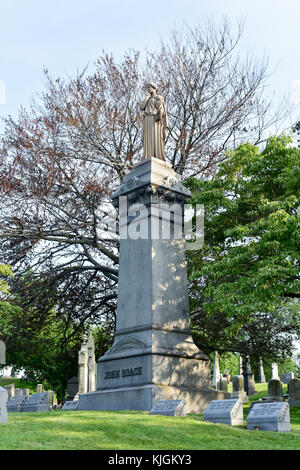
(245,282)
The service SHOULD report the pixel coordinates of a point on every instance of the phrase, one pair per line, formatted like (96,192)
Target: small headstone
(294,392)
(238,391)
(274,390)
(37,402)
(285,378)
(39,388)
(72,388)
(10,390)
(223,384)
(16,403)
(2,353)
(3,405)
(70,405)
(169,408)
(25,391)
(269,417)
(225,411)
(18,392)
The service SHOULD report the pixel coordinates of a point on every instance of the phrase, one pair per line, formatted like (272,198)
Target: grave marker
(225,411)
(273,416)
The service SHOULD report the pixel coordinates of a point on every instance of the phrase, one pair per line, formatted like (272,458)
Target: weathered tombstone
(50,398)
(294,392)
(92,370)
(72,388)
(25,391)
(10,390)
(16,403)
(18,392)
(269,417)
(3,405)
(238,391)
(169,408)
(216,372)
(261,378)
(285,378)
(248,375)
(275,371)
(37,402)
(274,390)
(224,384)
(40,388)
(225,411)
(2,353)
(70,405)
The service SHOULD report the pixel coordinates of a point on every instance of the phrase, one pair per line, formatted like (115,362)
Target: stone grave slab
(3,407)
(2,352)
(70,405)
(169,408)
(270,416)
(16,403)
(37,402)
(225,411)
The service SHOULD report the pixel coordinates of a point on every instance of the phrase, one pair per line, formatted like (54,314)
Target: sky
(66,35)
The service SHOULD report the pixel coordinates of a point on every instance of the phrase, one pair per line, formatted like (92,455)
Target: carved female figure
(155,123)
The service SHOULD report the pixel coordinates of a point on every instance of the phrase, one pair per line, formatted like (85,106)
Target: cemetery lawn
(134,430)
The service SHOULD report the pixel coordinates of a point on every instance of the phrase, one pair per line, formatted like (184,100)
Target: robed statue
(155,123)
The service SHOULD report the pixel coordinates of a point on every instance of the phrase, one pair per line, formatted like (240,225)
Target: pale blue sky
(64,35)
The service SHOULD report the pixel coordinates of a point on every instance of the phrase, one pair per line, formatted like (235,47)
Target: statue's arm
(144,103)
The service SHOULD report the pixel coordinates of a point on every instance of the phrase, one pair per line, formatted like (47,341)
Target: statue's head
(152,87)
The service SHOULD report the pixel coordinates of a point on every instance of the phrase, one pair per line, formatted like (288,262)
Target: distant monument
(153,357)
(261,376)
(2,353)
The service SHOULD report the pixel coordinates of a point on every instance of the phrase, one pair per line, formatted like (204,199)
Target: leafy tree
(64,156)
(245,285)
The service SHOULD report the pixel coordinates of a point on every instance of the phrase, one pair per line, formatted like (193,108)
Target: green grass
(133,430)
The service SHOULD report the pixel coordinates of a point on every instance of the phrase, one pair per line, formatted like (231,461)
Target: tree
(245,282)
(62,158)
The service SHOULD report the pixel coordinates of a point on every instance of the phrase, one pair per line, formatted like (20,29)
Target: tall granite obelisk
(153,356)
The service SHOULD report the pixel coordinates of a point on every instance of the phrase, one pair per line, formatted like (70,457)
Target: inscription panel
(124,372)
(273,416)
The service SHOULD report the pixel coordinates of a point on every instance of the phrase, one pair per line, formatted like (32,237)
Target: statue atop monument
(155,123)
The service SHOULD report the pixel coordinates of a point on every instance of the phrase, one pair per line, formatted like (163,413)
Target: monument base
(143,398)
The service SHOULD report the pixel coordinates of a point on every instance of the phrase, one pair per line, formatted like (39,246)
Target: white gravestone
(169,408)
(275,371)
(273,416)
(3,408)
(225,411)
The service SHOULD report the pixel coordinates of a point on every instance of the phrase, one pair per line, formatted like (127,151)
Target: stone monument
(274,390)
(294,392)
(3,407)
(248,375)
(275,371)
(153,357)
(238,391)
(261,378)
(216,372)
(169,408)
(225,411)
(286,377)
(269,417)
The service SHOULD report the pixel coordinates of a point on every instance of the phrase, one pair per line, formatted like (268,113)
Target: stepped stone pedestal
(153,356)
